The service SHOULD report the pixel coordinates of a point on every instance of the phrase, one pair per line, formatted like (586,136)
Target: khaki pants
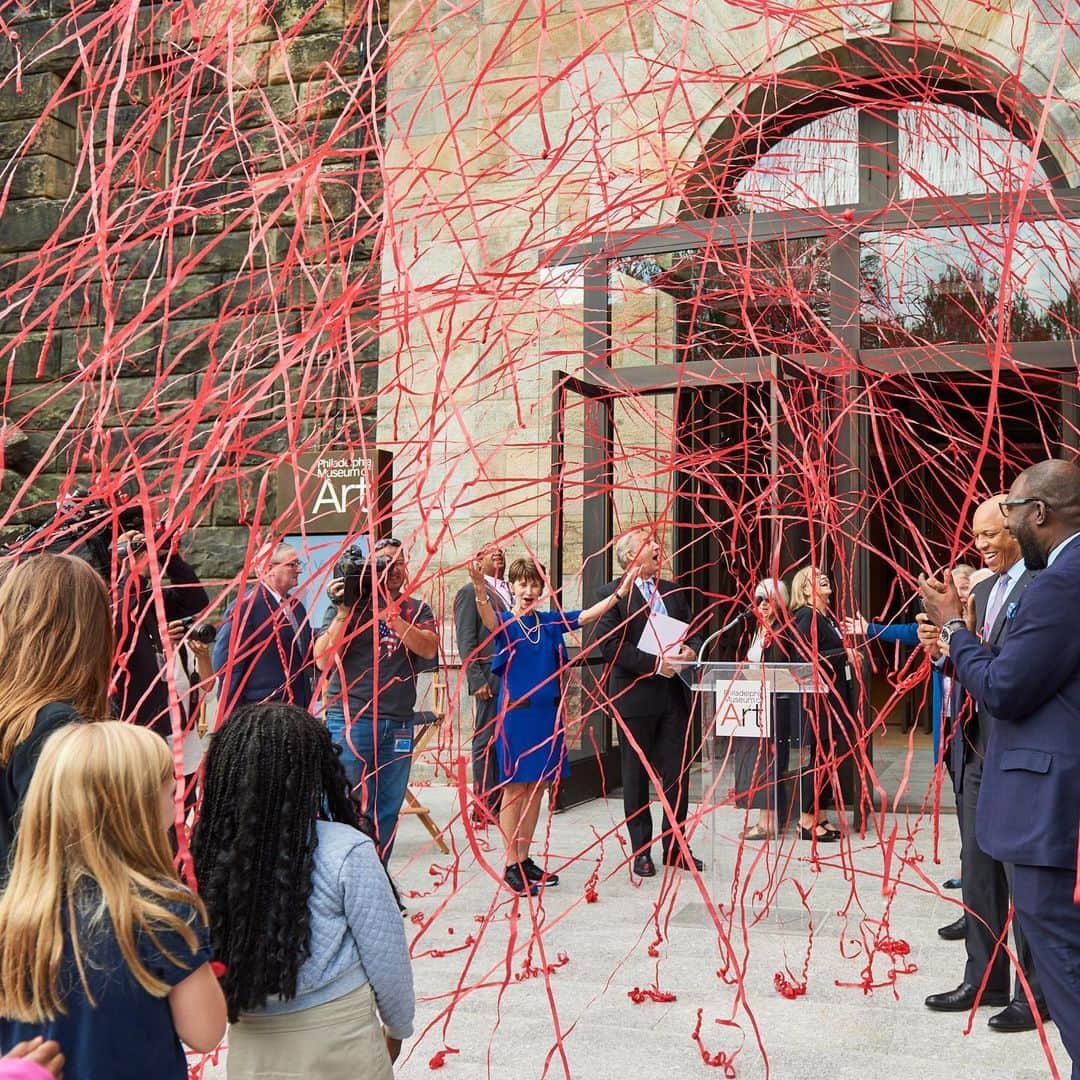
(341,1040)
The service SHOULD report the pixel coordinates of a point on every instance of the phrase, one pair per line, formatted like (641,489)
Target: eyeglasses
(292,564)
(1007,504)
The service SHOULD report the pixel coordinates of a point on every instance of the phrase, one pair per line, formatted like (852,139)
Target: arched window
(927,150)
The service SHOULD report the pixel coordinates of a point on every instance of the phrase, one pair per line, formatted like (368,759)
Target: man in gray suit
(475,646)
(987,882)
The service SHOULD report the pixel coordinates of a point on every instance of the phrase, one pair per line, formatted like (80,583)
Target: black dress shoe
(952,883)
(644,866)
(955,931)
(963,998)
(676,859)
(1017,1016)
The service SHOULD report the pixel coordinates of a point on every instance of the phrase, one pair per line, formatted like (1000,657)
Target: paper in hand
(662,635)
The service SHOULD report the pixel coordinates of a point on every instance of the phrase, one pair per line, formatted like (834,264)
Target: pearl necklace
(527,632)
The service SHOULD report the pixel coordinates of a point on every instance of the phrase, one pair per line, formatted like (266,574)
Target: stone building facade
(187,272)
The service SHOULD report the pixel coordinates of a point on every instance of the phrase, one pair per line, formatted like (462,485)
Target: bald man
(985,880)
(1029,809)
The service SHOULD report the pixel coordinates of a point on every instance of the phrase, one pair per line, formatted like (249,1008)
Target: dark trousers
(1043,896)
(662,743)
(986,898)
(485,758)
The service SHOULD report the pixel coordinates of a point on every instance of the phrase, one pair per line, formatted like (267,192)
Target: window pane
(946,150)
(954,285)
(816,166)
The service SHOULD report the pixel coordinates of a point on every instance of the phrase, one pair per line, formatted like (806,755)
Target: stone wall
(188,314)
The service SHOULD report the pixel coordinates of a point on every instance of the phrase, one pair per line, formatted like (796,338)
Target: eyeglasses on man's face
(1008,504)
(292,564)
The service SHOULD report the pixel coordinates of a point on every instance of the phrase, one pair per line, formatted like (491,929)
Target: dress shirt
(1060,548)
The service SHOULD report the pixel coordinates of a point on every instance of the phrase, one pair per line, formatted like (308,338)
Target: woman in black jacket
(825,738)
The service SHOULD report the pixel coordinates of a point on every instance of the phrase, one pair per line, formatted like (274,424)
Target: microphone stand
(722,631)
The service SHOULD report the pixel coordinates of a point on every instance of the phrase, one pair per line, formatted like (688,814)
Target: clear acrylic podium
(752,725)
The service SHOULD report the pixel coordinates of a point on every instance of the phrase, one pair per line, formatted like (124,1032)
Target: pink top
(17,1069)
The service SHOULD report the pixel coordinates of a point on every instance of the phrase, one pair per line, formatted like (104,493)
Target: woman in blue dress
(529,739)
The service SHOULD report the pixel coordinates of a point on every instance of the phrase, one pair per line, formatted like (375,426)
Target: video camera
(356,572)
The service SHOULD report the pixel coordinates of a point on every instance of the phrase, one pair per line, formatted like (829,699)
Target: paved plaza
(479,1000)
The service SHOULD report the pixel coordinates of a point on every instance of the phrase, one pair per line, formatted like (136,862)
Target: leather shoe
(963,998)
(955,931)
(644,866)
(952,883)
(676,859)
(1017,1016)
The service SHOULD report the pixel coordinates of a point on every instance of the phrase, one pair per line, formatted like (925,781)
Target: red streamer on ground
(438,1059)
(649,993)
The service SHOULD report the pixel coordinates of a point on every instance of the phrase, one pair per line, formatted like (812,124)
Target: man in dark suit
(985,880)
(476,647)
(651,704)
(263,649)
(1029,810)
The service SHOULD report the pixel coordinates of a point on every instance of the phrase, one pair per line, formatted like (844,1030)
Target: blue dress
(529,736)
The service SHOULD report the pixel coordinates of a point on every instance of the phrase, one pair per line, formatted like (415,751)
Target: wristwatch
(948,628)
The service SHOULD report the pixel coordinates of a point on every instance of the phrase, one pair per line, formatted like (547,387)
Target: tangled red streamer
(568,264)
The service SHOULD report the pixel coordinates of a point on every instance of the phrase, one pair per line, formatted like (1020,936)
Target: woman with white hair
(758,762)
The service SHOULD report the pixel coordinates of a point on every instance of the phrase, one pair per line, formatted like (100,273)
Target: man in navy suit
(651,703)
(476,648)
(1029,807)
(985,879)
(263,649)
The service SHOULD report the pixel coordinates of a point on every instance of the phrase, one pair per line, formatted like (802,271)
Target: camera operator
(373,644)
(140,688)
(263,647)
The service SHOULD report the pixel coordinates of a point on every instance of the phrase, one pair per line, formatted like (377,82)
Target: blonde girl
(101,946)
(56,652)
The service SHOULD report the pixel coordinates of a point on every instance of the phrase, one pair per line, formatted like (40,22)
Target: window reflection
(815,166)
(770,297)
(956,285)
(946,150)
(941,150)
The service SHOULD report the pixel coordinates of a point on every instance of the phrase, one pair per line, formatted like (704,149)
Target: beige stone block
(454,60)
(565,35)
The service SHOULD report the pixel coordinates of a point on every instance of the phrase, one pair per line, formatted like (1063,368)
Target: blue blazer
(258,656)
(1029,803)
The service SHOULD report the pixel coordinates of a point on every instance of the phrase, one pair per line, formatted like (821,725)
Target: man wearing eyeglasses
(1029,806)
(985,879)
(263,648)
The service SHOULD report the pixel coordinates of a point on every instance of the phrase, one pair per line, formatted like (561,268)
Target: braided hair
(271,772)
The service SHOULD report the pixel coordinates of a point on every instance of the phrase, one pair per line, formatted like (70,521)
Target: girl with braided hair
(302,913)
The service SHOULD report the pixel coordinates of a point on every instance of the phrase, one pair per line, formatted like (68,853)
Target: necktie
(993,605)
(653,598)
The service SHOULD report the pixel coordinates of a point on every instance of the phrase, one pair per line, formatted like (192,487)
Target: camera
(130,547)
(354,570)
(203,632)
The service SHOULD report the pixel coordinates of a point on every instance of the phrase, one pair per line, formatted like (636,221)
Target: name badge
(402,740)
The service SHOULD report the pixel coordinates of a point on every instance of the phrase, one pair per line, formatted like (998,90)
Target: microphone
(744,614)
